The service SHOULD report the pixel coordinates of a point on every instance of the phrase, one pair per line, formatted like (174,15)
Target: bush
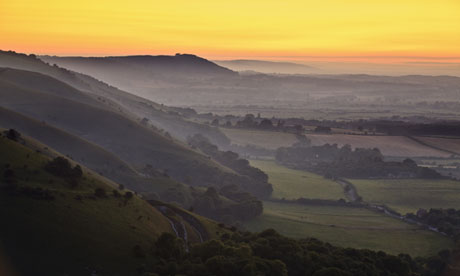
(13,135)
(100,192)
(128,195)
(61,167)
(116,193)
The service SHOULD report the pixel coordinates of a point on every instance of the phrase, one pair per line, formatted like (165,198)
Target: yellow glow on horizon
(210,28)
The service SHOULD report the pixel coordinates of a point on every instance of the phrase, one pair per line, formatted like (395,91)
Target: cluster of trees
(415,125)
(31,192)
(253,122)
(251,150)
(227,204)
(269,253)
(257,180)
(333,161)
(444,220)
(61,167)
(12,134)
(215,204)
(328,153)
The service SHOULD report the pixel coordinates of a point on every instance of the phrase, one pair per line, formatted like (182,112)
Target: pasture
(292,184)
(349,227)
(408,195)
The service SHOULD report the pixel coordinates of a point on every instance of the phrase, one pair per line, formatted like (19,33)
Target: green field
(261,138)
(349,227)
(408,195)
(292,184)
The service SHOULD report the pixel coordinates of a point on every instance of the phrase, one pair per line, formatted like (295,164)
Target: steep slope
(134,143)
(73,225)
(170,119)
(97,158)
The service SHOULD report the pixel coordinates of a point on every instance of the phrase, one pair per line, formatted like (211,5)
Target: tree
(61,167)
(168,246)
(215,122)
(323,129)
(13,135)
(128,195)
(100,192)
(266,123)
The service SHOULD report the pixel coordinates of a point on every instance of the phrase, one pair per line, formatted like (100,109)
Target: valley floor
(342,225)
(349,227)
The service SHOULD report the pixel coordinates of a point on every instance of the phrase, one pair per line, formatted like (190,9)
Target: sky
(382,31)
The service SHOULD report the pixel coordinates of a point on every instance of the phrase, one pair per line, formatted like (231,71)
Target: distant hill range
(128,139)
(138,67)
(268,67)
(188,80)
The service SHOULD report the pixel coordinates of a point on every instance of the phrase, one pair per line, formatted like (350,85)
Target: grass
(349,227)
(292,184)
(66,235)
(408,195)
(264,139)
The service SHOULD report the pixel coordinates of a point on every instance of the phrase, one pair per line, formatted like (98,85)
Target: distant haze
(408,66)
(266,66)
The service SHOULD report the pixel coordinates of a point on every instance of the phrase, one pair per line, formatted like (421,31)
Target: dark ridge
(180,63)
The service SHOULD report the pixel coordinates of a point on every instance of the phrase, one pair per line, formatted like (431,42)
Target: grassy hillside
(293,184)
(349,227)
(77,228)
(94,157)
(136,144)
(408,195)
(171,119)
(96,233)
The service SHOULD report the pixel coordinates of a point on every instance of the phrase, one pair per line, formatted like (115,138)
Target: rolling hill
(80,224)
(100,131)
(137,144)
(173,120)
(319,96)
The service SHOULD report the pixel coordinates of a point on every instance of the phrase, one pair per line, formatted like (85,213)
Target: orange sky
(419,30)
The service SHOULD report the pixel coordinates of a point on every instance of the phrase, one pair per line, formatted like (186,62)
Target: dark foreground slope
(56,224)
